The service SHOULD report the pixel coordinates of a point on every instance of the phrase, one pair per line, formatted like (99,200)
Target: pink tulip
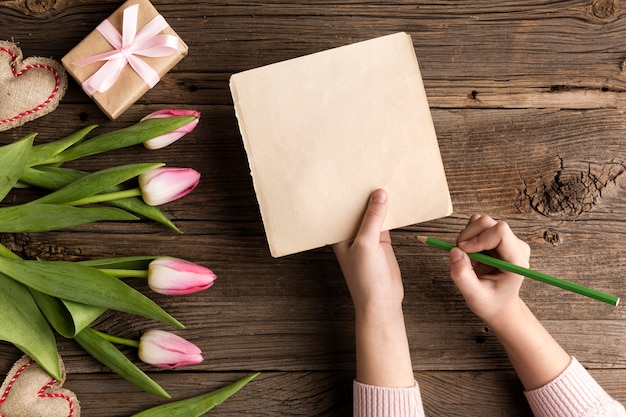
(162,185)
(168,138)
(171,276)
(167,350)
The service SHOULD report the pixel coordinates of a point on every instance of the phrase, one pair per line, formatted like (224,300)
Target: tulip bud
(171,276)
(167,350)
(168,138)
(162,185)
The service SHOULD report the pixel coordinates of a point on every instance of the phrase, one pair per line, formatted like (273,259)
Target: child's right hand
(493,295)
(490,293)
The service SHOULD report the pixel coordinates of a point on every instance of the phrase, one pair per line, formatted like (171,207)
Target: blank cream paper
(323,131)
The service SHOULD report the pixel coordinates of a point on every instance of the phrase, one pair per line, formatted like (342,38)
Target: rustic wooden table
(528,103)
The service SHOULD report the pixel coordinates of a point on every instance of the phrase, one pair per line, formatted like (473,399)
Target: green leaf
(21,184)
(95,183)
(13,159)
(82,314)
(133,135)
(105,352)
(138,206)
(22,324)
(68,318)
(199,405)
(50,178)
(84,284)
(41,153)
(129,262)
(53,178)
(46,217)
(55,312)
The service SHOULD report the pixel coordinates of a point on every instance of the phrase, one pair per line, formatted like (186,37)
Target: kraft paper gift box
(323,131)
(154,50)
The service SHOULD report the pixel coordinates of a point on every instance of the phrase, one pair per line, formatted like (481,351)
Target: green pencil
(516,269)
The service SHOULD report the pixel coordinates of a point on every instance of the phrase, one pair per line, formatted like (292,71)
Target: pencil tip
(422,239)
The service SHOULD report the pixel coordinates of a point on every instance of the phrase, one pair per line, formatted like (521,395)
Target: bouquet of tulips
(40,297)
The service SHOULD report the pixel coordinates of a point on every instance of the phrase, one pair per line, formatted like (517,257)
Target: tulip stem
(126,273)
(118,340)
(99,198)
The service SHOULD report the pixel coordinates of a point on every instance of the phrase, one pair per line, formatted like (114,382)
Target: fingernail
(379,196)
(456,255)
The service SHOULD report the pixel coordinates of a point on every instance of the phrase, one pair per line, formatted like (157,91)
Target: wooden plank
(269,394)
(320,393)
(485,55)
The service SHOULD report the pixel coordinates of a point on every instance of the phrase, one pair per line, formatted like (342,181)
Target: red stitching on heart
(5,394)
(42,392)
(22,71)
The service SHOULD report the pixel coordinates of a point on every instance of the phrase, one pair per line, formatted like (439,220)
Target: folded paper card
(125,56)
(323,131)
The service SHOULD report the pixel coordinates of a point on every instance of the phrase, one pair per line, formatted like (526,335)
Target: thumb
(374,216)
(462,272)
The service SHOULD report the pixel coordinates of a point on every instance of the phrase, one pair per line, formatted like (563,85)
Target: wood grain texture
(528,103)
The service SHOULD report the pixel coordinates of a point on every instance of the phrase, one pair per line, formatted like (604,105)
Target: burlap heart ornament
(29,88)
(28,391)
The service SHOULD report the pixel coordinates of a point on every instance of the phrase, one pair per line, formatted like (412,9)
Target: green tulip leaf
(13,158)
(82,315)
(50,178)
(68,318)
(47,217)
(130,262)
(199,405)
(21,184)
(95,183)
(22,324)
(132,135)
(41,153)
(138,206)
(105,352)
(53,178)
(83,284)
(55,312)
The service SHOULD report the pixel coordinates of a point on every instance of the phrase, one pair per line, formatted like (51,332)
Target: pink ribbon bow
(129,45)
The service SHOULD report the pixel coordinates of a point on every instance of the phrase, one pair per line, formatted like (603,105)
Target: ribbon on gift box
(129,46)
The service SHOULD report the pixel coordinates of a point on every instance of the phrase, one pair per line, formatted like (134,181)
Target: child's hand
(490,293)
(369,264)
(373,277)
(493,295)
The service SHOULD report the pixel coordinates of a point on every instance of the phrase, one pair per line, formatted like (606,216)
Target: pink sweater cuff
(370,401)
(573,393)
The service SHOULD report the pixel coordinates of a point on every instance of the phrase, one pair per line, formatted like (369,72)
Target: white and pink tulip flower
(169,138)
(172,276)
(162,185)
(167,350)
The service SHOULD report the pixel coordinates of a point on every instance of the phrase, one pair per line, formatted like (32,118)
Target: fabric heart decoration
(28,391)
(29,88)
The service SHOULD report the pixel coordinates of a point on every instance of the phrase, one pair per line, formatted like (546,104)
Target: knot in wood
(39,6)
(567,196)
(603,9)
(552,237)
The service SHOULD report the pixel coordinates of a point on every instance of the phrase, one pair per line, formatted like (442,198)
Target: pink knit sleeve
(372,401)
(574,393)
